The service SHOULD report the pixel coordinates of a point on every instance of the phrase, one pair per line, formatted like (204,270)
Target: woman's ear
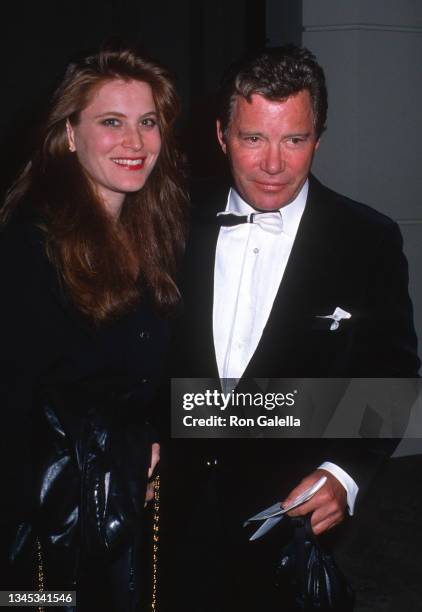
(70,136)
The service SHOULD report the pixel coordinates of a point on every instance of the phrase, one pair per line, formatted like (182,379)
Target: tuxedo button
(211,462)
(256,250)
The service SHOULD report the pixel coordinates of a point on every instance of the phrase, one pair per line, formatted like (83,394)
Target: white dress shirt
(249,267)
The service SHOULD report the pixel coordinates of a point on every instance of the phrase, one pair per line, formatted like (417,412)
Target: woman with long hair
(92,231)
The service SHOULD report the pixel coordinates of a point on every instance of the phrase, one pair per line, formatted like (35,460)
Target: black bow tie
(269,221)
(230,220)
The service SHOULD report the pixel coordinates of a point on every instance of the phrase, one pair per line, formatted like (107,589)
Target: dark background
(197,40)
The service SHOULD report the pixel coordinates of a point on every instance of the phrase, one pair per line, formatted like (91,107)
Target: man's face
(270,146)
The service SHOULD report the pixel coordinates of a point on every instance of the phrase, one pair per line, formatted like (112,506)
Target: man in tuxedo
(286,278)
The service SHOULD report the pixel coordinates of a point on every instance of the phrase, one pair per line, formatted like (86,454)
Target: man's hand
(328,505)
(155,458)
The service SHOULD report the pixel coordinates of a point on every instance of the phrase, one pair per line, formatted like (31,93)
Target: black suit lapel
(198,291)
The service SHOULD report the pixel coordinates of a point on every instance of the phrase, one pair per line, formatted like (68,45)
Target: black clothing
(345,255)
(85,392)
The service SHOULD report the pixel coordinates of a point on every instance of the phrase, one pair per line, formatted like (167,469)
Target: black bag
(308,577)
(90,473)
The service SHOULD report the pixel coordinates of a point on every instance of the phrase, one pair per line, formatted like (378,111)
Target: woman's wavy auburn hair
(105,265)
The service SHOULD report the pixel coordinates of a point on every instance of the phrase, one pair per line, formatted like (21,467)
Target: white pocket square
(337,316)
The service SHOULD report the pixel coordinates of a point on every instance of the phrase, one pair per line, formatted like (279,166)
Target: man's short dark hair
(275,73)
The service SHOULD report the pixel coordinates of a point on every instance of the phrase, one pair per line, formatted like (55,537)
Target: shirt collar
(291,213)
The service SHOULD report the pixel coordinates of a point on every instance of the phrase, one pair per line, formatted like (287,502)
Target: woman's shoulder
(22,239)
(23,256)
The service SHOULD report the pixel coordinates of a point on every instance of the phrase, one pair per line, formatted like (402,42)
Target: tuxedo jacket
(345,255)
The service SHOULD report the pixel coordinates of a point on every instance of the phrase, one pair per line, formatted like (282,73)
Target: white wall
(372,151)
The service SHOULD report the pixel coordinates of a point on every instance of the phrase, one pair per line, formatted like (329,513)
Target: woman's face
(117,139)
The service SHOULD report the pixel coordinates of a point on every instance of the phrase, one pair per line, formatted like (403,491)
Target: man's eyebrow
(291,135)
(298,135)
(118,114)
(249,133)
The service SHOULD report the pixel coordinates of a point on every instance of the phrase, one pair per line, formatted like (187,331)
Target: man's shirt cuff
(346,480)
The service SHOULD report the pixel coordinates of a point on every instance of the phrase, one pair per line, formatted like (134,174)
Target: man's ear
(220,136)
(70,136)
(317,144)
